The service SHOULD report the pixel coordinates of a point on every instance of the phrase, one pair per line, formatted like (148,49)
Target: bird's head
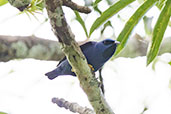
(107,47)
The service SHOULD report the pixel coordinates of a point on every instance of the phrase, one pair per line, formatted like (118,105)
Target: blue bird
(96,53)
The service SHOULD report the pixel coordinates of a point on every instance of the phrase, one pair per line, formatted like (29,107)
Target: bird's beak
(117,42)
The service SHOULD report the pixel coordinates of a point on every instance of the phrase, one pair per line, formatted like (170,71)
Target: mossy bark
(29,47)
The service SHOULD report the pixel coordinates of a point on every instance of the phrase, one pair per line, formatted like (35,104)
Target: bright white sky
(129,84)
(129,87)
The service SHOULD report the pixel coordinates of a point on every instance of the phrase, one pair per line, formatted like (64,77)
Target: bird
(96,53)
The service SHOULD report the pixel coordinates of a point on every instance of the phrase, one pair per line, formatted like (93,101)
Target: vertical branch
(75,57)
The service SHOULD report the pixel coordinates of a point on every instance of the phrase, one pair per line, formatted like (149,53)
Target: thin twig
(74,6)
(73,107)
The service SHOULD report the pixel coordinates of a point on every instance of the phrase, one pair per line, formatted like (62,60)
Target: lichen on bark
(75,57)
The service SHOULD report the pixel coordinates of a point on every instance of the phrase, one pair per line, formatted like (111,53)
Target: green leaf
(109,13)
(140,1)
(108,23)
(160,4)
(169,63)
(147,24)
(158,32)
(169,23)
(36,5)
(109,2)
(3,2)
(134,19)
(154,63)
(121,18)
(3,113)
(80,20)
(96,2)
(95,6)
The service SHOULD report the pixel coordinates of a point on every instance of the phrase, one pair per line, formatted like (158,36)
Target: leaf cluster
(157,33)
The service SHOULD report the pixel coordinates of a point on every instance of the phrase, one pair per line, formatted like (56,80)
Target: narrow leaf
(160,4)
(3,2)
(80,20)
(97,9)
(108,23)
(158,32)
(3,113)
(109,13)
(96,2)
(132,22)
(169,23)
(147,25)
(109,2)
(95,6)
(169,63)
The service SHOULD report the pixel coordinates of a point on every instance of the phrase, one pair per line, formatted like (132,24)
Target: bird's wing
(83,47)
(87,45)
(61,61)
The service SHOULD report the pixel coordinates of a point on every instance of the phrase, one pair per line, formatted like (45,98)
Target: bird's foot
(91,67)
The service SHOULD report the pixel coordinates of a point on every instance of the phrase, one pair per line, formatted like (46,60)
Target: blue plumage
(96,53)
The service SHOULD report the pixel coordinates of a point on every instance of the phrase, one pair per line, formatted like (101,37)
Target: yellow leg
(88,65)
(91,67)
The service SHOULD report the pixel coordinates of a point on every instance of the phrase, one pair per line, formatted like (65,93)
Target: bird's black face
(108,47)
(108,42)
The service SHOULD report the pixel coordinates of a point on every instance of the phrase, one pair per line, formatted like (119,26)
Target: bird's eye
(107,42)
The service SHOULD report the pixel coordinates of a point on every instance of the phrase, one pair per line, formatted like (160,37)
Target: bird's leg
(101,84)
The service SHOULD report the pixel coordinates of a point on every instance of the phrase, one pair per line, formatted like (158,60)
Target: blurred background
(131,87)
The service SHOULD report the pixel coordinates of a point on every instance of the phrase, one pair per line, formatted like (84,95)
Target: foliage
(132,22)
(157,34)
(3,113)
(3,2)
(80,20)
(36,6)
(109,13)
(158,31)
(170,63)
(147,25)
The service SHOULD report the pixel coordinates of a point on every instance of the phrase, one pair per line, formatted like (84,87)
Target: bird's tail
(53,74)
